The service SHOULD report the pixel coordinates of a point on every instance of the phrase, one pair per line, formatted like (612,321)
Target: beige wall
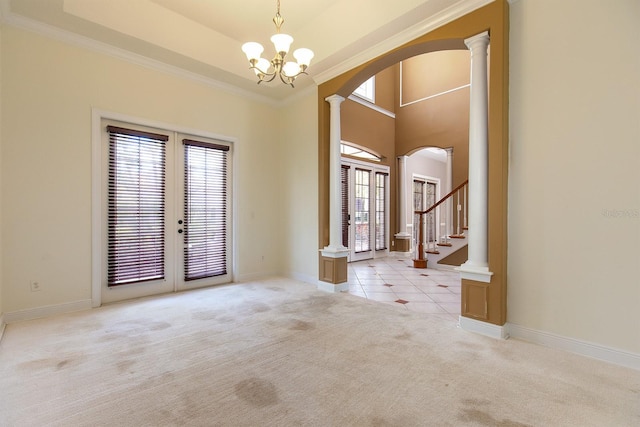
(436,110)
(49,89)
(369,128)
(300,188)
(574,186)
(1,304)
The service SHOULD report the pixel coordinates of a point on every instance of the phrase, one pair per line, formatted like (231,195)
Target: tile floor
(394,281)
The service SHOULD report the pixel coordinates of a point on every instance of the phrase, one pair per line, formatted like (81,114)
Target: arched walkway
(483,298)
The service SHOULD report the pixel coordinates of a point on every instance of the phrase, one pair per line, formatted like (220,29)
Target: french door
(166,221)
(365,196)
(424,196)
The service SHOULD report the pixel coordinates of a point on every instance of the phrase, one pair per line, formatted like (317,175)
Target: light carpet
(280,353)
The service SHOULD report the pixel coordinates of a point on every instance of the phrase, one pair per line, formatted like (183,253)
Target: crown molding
(55,33)
(451,13)
(461,8)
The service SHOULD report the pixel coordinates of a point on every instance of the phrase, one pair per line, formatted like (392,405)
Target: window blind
(136,206)
(381,203)
(205,210)
(344,183)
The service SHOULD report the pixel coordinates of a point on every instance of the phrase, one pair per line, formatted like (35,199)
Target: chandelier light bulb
(262,66)
(253,50)
(282,42)
(291,69)
(303,56)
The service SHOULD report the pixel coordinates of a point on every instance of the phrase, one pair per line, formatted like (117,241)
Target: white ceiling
(203,37)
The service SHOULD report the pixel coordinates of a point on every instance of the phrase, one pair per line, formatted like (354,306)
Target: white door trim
(432,180)
(373,168)
(97,196)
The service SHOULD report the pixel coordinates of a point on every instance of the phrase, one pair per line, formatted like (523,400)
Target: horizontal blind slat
(136,206)
(205,211)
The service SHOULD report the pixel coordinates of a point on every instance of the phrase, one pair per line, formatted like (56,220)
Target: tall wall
(299,243)
(375,130)
(369,128)
(434,109)
(430,96)
(49,90)
(574,186)
(1,97)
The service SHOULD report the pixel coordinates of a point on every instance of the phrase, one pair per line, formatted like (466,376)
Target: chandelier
(268,70)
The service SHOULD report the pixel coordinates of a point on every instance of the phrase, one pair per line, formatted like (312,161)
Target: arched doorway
(480,300)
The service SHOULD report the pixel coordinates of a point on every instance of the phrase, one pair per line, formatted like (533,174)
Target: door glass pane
(136,208)
(205,211)
(418,189)
(431,216)
(362,234)
(381,214)
(344,182)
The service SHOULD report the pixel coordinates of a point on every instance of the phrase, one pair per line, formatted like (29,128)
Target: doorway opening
(365,209)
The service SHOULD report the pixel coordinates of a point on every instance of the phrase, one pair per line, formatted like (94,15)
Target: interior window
(367,90)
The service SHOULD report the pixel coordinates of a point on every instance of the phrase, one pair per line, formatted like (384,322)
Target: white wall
(574,183)
(49,89)
(300,188)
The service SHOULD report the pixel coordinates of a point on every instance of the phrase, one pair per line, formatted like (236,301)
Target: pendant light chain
(278,19)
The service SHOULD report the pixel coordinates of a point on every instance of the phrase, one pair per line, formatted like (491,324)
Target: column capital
(477,41)
(334,99)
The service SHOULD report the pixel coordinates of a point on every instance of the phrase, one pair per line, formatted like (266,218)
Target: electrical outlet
(35,286)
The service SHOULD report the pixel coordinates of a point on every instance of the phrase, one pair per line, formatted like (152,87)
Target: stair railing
(461,208)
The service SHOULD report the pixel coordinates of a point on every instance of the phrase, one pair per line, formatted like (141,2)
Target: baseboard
(2,326)
(572,345)
(253,277)
(301,277)
(483,328)
(331,287)
(49,310)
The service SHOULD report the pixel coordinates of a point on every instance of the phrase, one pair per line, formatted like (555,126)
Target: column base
(402,242)
(419,263)
(483,328)
(333,288)
(475,272)
(333,269)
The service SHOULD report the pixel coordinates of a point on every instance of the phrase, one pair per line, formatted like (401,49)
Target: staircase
(450,249)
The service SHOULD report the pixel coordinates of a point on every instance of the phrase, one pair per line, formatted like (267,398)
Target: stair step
(445,244)
(457,236)
(432,252)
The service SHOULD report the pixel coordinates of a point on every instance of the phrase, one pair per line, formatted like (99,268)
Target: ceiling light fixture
(287,71)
